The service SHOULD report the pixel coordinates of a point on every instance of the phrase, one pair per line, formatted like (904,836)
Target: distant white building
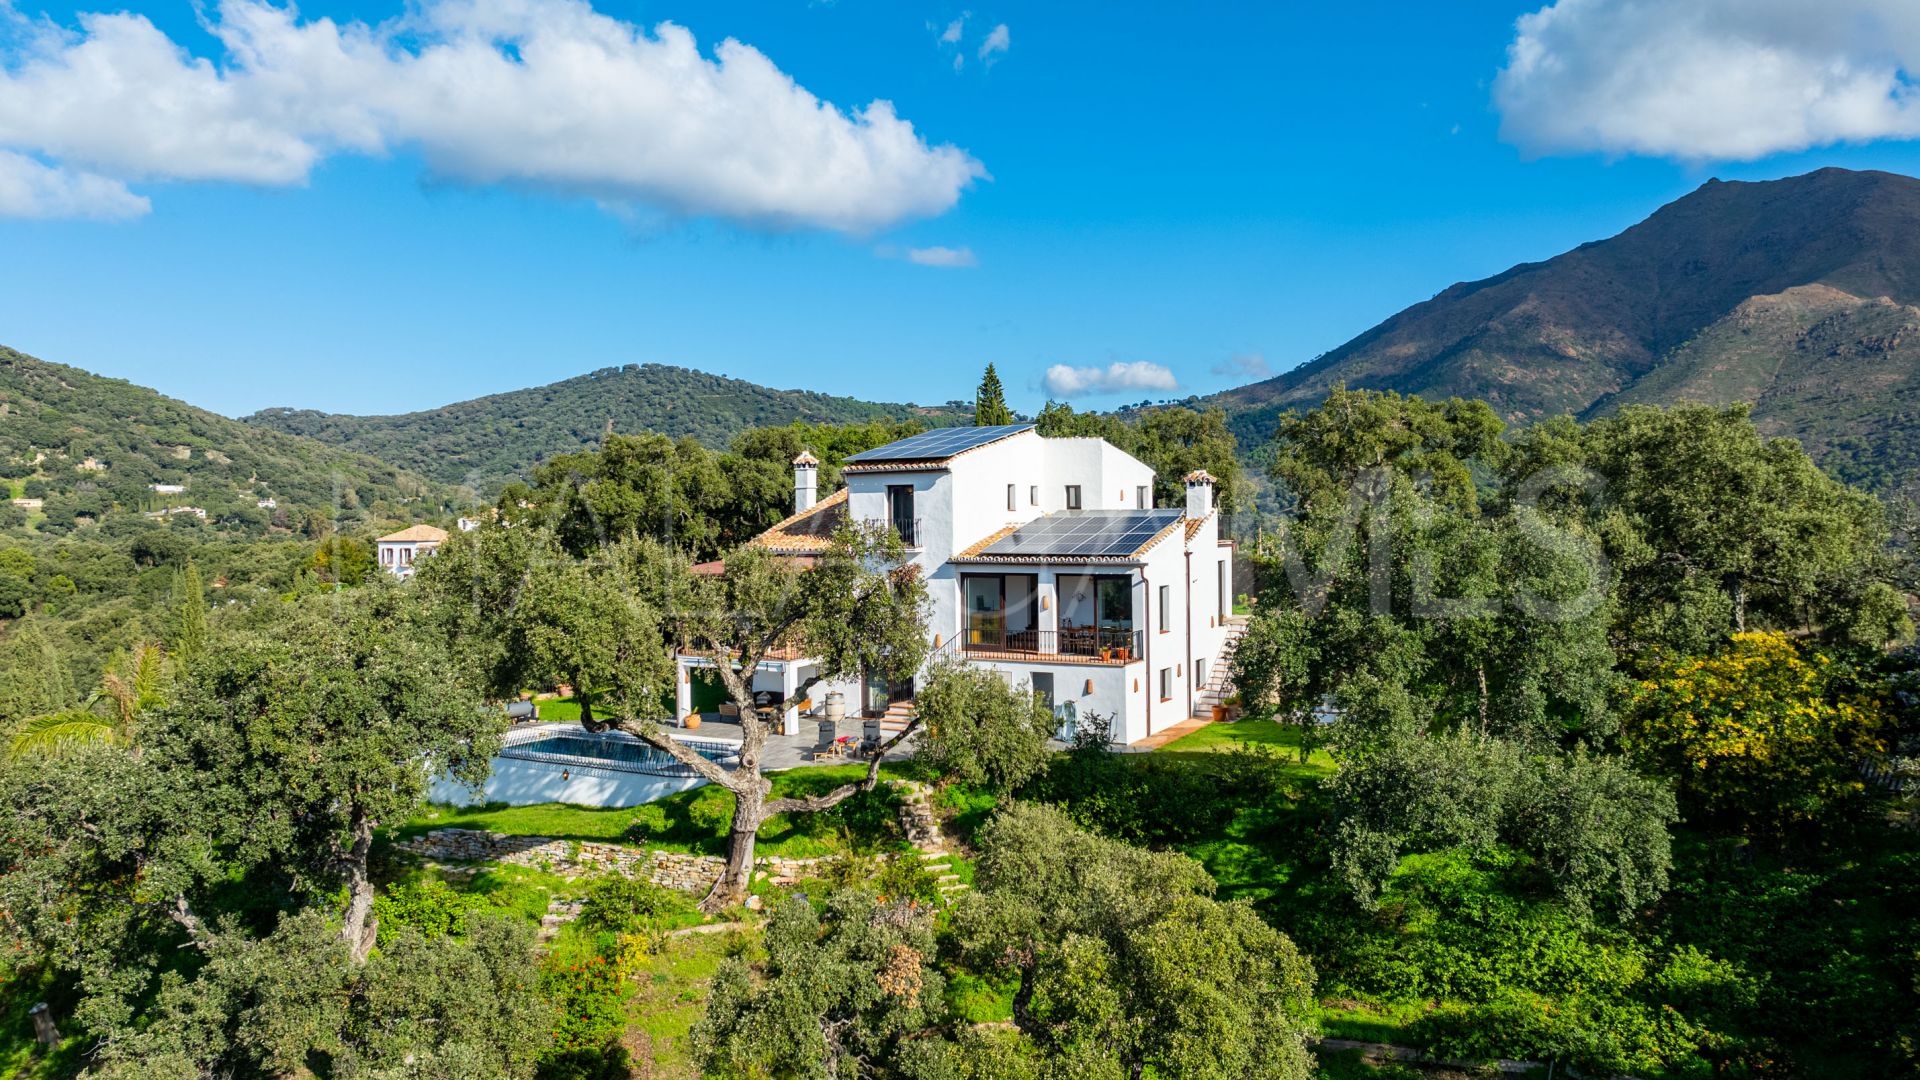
(1045,560)
(172,510)
(266,504)
(397,552)
(167,489)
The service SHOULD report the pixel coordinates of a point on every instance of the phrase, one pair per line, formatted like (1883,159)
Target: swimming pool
(543,763)
(612,750)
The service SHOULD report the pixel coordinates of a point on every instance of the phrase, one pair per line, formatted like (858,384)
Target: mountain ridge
(1563,335)
(485,441)
(77,447)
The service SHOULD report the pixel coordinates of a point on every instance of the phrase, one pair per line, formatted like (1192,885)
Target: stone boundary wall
(571,858)
(673,869)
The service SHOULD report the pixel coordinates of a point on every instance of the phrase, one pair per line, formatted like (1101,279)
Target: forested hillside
(83,451)
(488,441)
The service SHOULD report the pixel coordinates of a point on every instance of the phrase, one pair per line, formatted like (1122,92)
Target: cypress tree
(990,403)
(189,613)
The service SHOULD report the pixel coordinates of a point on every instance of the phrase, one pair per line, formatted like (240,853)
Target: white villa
(396,552)
(1044,559)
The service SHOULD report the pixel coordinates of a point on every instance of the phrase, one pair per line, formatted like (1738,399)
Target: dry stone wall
(673,869)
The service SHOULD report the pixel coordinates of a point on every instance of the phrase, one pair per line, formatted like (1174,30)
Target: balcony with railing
(1081,644)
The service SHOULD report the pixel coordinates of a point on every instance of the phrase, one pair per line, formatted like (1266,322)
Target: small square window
(1143,497)
(1166,608)
(1033,495)
(1012,498)
(1073,496)
(1166,684)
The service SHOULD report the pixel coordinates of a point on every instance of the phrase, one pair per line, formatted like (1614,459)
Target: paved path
(1155,742)
(789,751)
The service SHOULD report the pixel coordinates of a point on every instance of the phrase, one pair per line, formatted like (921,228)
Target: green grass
(567,709)
(670,999)
(695,821)
(1251,732)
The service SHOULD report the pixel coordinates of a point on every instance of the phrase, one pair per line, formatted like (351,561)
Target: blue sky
(1213,190)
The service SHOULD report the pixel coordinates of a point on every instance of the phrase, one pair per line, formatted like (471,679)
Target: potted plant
(1232,706)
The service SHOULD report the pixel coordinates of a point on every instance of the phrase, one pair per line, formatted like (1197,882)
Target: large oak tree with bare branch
(857,607)
(524,611)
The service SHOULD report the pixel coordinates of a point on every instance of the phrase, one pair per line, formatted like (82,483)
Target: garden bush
(622,905)
(428,905)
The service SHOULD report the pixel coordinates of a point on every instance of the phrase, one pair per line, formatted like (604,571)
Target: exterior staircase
(896,718)
(1220,672)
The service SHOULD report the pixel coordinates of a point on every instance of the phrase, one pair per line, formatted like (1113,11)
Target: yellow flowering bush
(1758,733)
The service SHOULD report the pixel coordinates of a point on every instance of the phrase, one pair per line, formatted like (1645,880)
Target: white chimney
(806,473)
(1199,494)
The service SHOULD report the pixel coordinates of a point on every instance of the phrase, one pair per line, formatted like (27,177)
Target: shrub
(622,905)
(590,991)
(906,877)
(429,905)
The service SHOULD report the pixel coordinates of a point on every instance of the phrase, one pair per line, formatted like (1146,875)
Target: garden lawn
(671,997)
(696,821)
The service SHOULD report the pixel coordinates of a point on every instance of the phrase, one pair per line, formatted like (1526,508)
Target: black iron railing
(909,530)
(1096,642)
(608,751)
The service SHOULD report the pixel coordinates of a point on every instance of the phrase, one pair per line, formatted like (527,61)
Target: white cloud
(545,94)
(1063,381)
(1710,79)
(1251,365)
(951,35)
(942,256)
(29,189)
(997,41)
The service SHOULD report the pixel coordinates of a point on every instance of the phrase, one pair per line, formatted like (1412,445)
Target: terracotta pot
(1219,713)
(693,721)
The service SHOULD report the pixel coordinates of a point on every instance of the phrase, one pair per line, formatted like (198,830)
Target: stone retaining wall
(673,869)
(571,858)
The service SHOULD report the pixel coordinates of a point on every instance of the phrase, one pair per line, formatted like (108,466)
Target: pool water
(564,763)
(611,750)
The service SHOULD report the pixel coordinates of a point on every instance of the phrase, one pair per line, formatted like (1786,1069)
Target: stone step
(949,877)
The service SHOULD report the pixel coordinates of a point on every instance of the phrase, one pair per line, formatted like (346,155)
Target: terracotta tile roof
(974,549)
(1193,525)
(807,531)
(415,534)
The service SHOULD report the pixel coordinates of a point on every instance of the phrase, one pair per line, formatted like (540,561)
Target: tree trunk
(361,926)
(1740,608)
(749,810)
(585,701)
(1481,671)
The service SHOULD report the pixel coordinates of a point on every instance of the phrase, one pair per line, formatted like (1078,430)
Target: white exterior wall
(397,557)
(964,500)
(1111,690)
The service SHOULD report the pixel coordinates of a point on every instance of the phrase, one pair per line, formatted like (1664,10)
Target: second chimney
(806,475)
(1199,494)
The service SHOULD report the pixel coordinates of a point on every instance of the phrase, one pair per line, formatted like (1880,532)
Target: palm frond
(61,733)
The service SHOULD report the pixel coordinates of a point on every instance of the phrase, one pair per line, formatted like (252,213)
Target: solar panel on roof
(1084,533)
(937,444)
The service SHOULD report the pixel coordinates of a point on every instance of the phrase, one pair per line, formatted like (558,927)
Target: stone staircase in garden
(1220,672)
(923,832)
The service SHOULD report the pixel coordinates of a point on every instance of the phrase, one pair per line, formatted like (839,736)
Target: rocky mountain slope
(1796,294)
